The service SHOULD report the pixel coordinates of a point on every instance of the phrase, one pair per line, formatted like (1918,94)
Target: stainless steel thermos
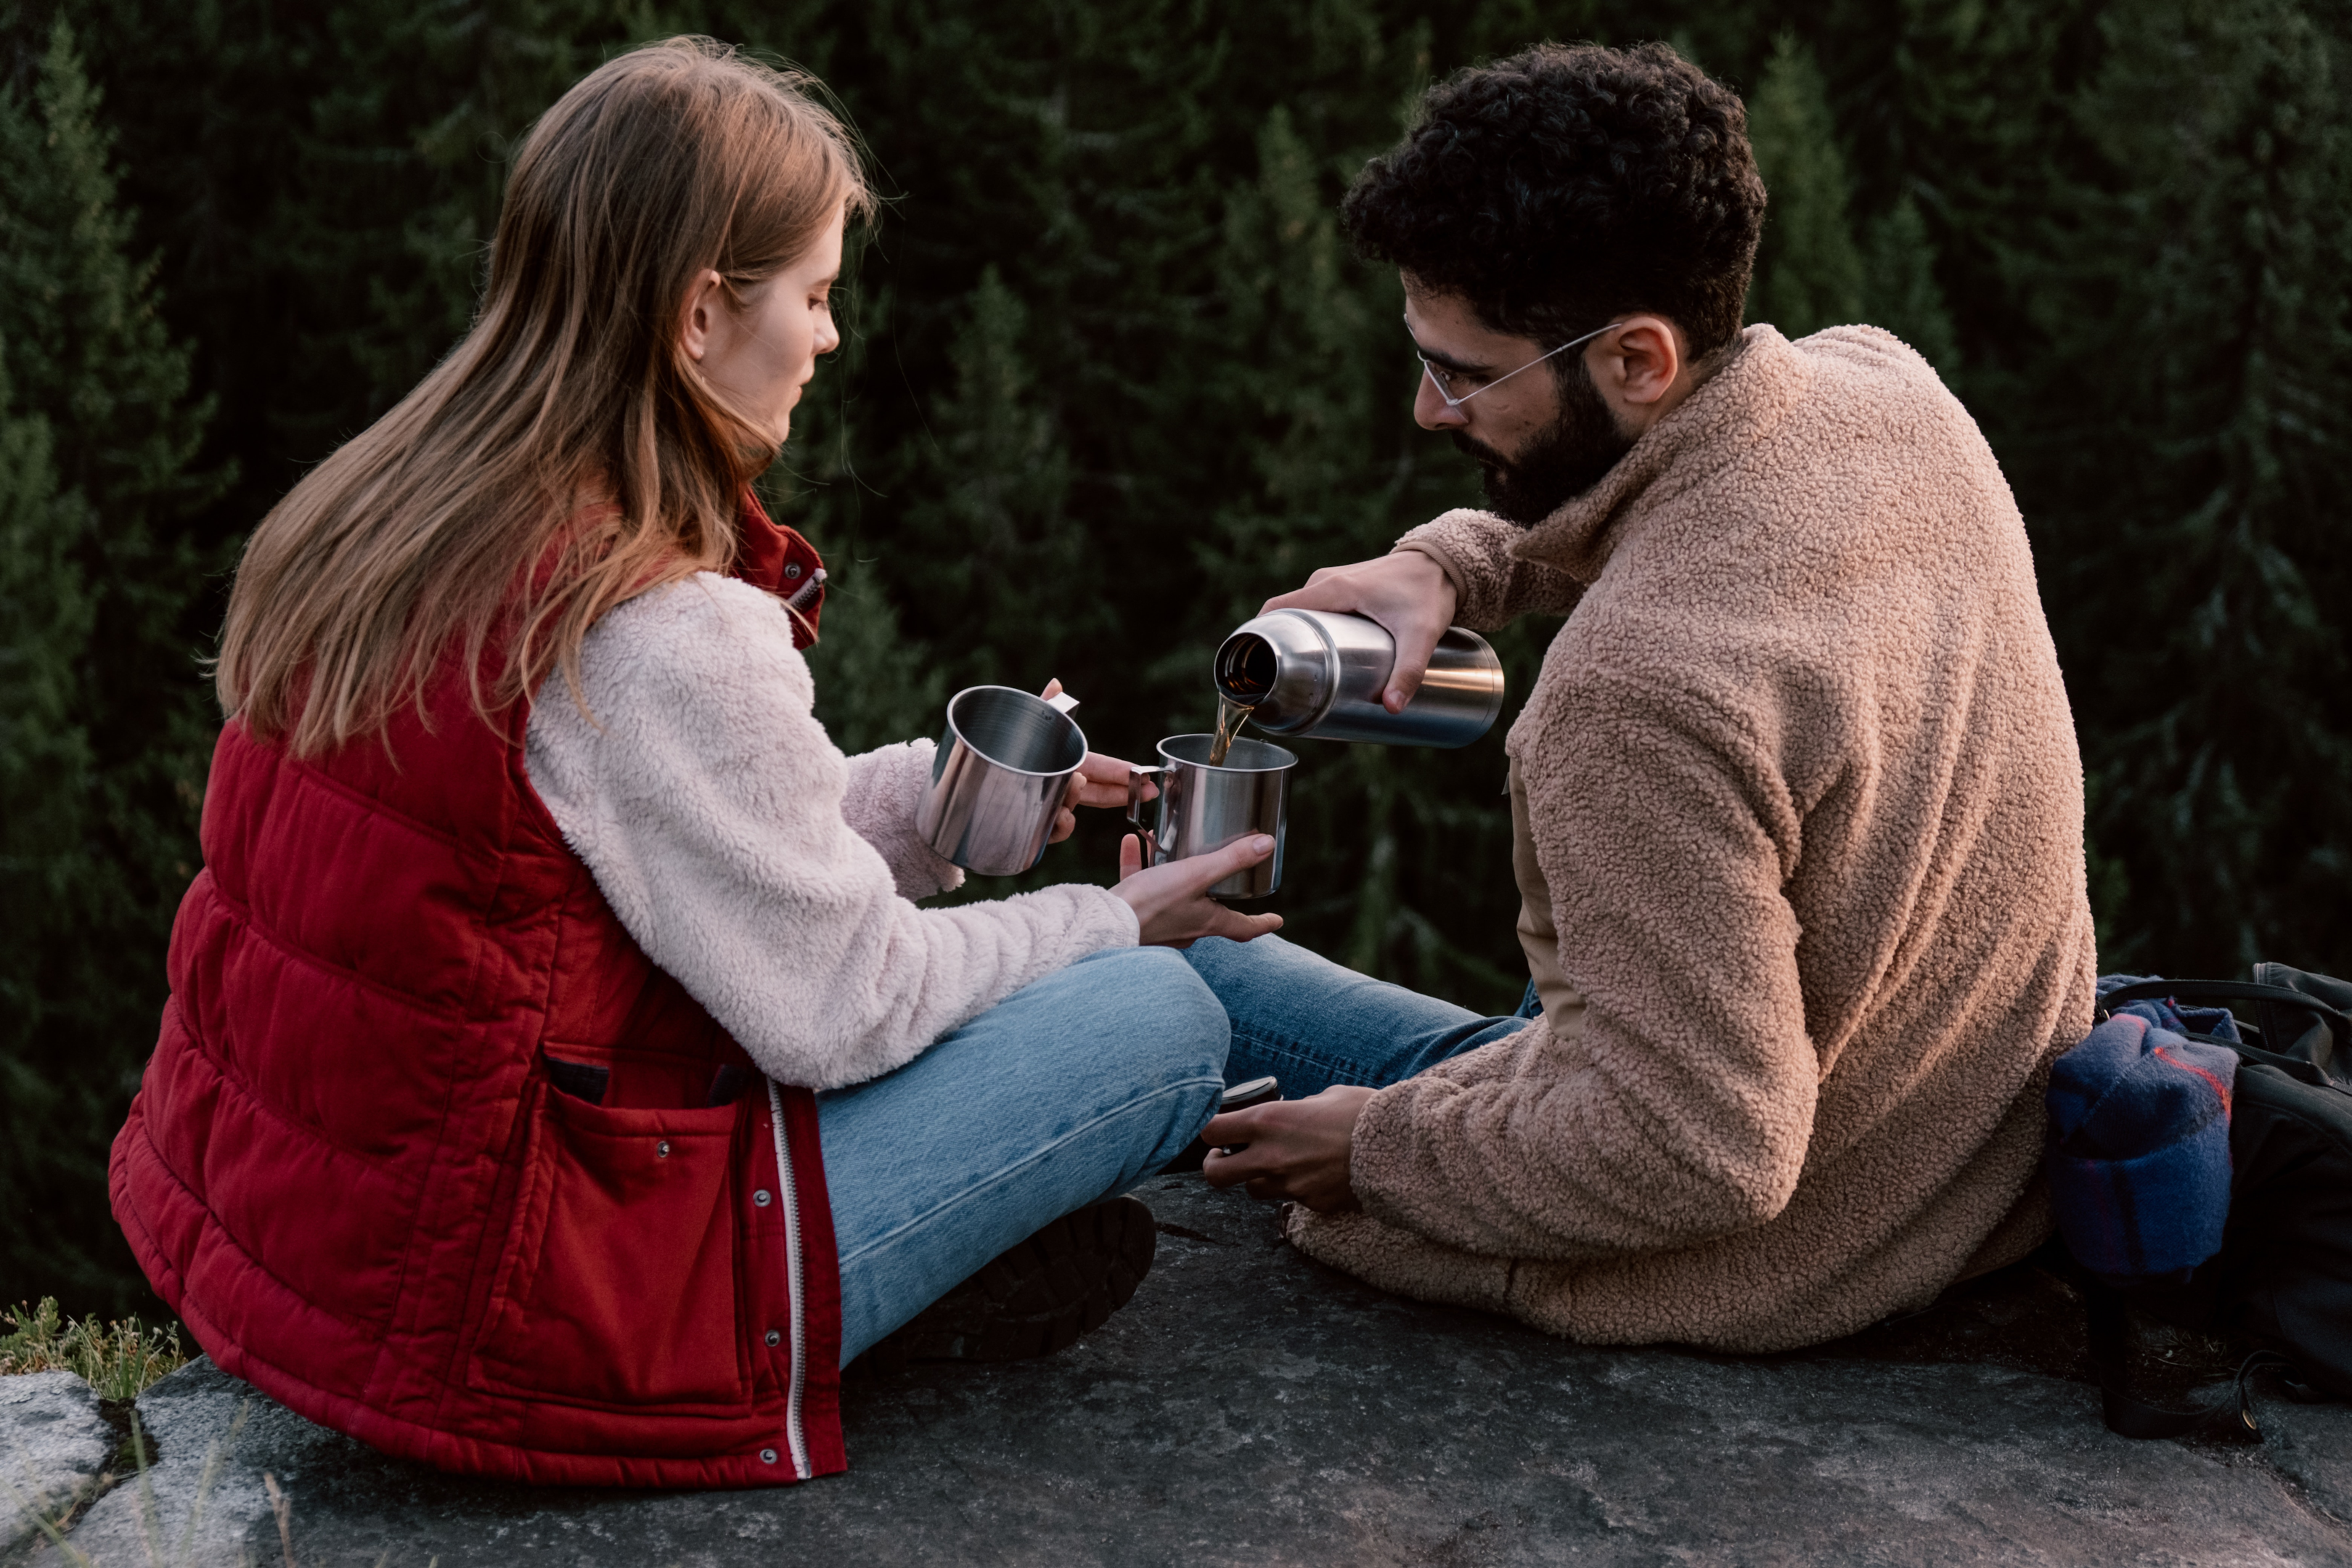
(1320,674)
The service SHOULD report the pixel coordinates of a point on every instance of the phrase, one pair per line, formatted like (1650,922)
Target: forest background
(1112,378)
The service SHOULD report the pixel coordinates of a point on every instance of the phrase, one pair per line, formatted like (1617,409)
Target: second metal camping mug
(1002,769)
(1320,674)
(1203,808)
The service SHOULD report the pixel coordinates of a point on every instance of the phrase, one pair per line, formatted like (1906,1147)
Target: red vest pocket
(618,1282)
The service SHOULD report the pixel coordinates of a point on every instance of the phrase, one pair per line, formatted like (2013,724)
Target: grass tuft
(118,1359)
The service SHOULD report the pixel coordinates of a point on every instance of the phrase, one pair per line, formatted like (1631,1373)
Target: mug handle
(1144,837)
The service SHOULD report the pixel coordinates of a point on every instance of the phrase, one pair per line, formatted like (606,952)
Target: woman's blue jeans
(1068,1090)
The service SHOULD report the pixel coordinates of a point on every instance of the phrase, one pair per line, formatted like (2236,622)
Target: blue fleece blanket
(2139,1139)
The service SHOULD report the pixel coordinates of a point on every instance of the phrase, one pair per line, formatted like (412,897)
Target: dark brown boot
(1033,1299)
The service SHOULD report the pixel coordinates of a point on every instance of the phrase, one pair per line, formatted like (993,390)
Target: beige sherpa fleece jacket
(772,875)
(1802,780)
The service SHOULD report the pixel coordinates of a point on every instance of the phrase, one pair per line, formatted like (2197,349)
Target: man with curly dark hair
(1796,805)
(1540,201)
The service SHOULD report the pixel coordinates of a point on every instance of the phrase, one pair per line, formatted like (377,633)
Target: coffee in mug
(1204,808)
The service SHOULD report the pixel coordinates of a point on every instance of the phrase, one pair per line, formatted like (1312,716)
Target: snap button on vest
(661,1149)
(767,1456)
(774,1339)
(760,1197)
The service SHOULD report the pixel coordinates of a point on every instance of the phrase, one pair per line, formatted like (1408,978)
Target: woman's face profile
(758,357)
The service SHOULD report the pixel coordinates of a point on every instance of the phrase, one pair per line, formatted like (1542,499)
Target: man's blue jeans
(1068,1090)
(1312,1024)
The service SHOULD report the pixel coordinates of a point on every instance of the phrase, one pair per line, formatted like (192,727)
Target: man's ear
(1638,364)
(699,314)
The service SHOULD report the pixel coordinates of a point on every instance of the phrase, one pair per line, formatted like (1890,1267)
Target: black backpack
(2282,1279)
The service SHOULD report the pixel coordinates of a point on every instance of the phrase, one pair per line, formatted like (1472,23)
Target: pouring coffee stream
(1244,676)
(1231,717)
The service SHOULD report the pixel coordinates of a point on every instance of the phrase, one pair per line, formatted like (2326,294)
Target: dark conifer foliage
(1111,379)
(105,720)
(2192,456)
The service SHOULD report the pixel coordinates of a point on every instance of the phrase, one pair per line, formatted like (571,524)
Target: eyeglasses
(1437,376)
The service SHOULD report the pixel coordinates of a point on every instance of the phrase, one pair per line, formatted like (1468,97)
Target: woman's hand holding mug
(1171,901)
(1101,780)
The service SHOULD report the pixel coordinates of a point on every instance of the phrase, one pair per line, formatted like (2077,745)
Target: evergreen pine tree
(1809,271)
(2195,452)
(1962,109)
(993,545)
(875,685)
(1899,290)
(104,713)
(45,769)
(875,682)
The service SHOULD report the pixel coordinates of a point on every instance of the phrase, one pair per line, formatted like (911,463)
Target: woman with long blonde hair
(559,1079)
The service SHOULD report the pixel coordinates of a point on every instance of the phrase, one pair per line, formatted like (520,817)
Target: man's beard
(1565,461)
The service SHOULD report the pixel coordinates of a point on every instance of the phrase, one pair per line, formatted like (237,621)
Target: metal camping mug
(1203,808)
(1318,673)
(1002,769)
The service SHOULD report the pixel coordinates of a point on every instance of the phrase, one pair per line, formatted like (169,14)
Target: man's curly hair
(1569,185)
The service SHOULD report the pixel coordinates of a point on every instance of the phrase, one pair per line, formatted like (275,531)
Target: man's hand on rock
(1299,1149)
(1408,593)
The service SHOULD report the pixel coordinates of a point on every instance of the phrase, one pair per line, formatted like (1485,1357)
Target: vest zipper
(790,1192)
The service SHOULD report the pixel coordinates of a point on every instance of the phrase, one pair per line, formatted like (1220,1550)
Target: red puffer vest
(430,1152)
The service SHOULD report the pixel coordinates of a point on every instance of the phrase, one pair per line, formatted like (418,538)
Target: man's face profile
(1539,440)
(1563,462)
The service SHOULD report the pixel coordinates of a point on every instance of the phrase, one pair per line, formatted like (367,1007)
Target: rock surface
(54,1444)
(1251,1407)
(2311,1444)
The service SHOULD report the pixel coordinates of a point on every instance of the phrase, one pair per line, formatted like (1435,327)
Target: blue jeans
(1312,1024)
(1068,1090)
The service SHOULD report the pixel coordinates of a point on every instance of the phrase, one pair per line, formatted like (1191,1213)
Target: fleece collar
(1739,406)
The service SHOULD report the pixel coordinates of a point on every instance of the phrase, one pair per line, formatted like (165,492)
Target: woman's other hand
(1171,901)
(1101,780)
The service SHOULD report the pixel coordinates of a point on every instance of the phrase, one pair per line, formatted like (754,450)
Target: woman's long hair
(566,454)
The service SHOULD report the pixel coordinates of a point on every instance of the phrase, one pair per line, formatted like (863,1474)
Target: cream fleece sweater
(1802,781)
(769,874)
